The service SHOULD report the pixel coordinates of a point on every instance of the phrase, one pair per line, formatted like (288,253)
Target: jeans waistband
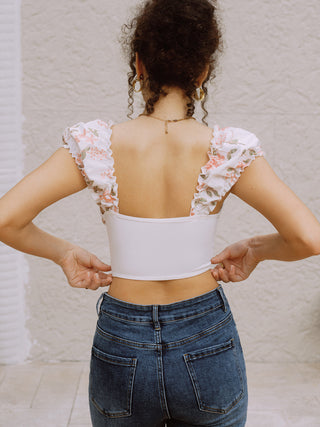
(200,303)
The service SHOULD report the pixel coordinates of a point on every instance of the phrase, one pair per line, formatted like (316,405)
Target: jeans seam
(162,321)
(149,346)
(192,316)
(144,322)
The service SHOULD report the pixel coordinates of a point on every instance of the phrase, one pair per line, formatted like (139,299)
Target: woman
(166,347)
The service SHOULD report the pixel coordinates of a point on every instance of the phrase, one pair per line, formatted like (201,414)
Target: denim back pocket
(216,377)
(111,383)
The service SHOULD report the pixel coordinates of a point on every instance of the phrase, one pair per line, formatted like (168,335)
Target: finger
(94,282)
(232,274)
(221,256)
(224,274)
(105,279)
(96,279)
(104,276)
(88,280)
(215,274)
(80,283)
(235,276)
(97,263)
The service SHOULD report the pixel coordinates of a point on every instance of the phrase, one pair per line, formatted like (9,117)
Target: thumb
(100,265)
(220,257)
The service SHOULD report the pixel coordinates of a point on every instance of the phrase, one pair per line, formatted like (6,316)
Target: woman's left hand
(84,269)
(235,263)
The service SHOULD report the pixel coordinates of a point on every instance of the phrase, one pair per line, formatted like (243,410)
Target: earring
(201,94)
(135,81)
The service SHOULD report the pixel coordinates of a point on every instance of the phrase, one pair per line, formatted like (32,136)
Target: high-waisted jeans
(178,364)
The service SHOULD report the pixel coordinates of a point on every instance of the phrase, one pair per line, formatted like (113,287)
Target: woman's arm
(34,241)
(262,189)
(298,229)
(56,178)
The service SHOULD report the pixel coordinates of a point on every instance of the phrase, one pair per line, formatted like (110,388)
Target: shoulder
(82,130)
(89,145)
(232,150)
(83,137)
(236,137)
(234,147)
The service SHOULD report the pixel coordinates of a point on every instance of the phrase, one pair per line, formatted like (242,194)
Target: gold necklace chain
(166,121)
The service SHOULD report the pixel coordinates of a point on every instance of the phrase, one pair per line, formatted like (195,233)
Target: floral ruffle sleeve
(231,151)
(89,145)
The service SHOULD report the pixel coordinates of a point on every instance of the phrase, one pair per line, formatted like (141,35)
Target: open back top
(160,248)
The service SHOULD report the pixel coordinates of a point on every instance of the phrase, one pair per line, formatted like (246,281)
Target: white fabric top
(160,248)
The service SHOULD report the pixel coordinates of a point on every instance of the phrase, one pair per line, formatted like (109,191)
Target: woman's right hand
(239,261)
(84,269)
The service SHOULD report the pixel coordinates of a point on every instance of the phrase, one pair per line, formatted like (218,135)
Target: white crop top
(160,248)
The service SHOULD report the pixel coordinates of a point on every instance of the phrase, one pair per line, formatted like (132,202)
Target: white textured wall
(268,83)
(13,265)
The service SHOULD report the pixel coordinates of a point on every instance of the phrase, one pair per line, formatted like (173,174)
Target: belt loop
(97,305)
(155,317)
(222,296)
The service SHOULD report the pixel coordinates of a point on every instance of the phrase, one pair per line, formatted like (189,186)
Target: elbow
(305,246)
(11,223)
(5,228)
(315,248)
(312,245)
(5,221)
(314,242)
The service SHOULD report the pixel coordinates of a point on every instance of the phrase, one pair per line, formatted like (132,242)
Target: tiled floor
(47,395)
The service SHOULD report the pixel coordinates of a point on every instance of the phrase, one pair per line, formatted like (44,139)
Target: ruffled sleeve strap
(72,140)
(90,146)
(231,151)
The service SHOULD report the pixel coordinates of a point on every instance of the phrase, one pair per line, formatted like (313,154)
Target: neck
(172,106)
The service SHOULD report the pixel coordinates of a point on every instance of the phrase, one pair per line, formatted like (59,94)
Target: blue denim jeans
(178,364)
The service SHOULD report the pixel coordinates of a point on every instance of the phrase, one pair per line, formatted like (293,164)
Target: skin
(297,233)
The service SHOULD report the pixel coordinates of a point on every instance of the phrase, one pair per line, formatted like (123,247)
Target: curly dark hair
(176,40)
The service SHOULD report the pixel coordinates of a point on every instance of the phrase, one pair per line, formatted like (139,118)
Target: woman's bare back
(157,175)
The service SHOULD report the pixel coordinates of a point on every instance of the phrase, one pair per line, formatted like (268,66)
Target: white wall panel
(13,266)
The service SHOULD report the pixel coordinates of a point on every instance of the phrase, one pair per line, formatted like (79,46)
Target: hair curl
(176,40)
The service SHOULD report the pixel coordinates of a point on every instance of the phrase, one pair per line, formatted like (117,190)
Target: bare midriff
(147,292)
